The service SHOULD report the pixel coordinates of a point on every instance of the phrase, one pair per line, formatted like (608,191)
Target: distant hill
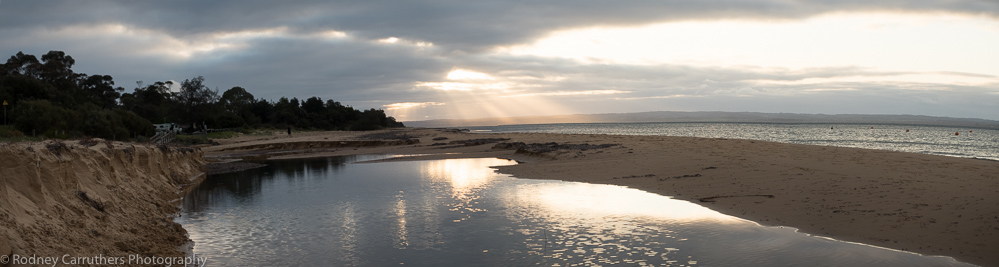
(715,116)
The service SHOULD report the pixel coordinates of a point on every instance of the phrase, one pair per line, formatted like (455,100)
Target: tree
(57,70)
(197,101)
(152,103)
(100,90)
(236,99)
(22,64)
(57,65)
(313,105)
(236,104)
(262,109)
(286,113)
(372,119)
(48,98)
(16,88)
(41,117)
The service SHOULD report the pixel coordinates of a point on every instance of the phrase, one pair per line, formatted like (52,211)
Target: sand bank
(928,204)
(93,198)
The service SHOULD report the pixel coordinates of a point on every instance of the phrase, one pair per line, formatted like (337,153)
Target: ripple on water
(459,212)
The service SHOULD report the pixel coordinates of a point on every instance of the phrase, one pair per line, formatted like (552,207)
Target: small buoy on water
(872,127)
(830,128)
(957,133)
(969,131)
(907,130)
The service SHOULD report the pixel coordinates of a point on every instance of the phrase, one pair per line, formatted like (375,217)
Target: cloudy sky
(470,59)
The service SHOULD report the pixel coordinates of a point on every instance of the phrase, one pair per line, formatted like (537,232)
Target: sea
(965,142)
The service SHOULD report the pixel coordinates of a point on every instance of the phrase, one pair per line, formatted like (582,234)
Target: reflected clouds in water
(460,212)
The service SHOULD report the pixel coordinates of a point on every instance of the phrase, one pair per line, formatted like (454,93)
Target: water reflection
(460,212)
(244,186)
(401,232)
(462,180)
(568,200)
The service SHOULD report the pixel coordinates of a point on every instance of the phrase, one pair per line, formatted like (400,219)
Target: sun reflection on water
(463,175)
(464,179)
(573,222)
(400,212)
(594,200)
(460,212)
(603,224)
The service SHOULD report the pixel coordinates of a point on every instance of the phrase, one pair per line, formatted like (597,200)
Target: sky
(450,59)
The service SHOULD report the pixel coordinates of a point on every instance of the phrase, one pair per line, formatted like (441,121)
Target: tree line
(47,98)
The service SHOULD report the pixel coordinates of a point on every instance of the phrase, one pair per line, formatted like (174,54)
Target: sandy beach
(927,204)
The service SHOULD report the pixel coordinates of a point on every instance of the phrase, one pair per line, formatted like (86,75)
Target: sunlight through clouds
(915,77)
(409,110)
(404,105)
(876,40)
(156,43)
(460,74)
(390,40)
(544,58)
(458,86)
(397,40)
(469,81)
(572,93)
(216,42)
(473,94)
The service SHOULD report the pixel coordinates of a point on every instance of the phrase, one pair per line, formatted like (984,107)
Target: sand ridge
(928,204)
(93,197)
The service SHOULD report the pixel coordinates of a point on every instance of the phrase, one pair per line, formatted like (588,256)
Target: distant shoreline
(714,117)
(727,122)
(924,139)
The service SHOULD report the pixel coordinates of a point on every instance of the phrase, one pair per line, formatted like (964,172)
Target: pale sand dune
(927,204)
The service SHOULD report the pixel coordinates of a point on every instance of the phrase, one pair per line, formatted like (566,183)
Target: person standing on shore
(289,131)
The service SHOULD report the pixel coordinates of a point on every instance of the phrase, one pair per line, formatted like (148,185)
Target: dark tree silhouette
(48,98)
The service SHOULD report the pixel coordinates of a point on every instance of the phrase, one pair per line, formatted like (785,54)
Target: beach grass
(10,134)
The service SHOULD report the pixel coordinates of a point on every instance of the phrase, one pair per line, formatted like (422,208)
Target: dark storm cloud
(345,70)
(360,71)
(341,64)
(463,25)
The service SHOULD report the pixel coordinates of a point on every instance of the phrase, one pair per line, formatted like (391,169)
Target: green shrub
(10,132)
(222,135)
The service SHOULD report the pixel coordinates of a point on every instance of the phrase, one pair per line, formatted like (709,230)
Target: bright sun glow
(897,42)
(914,51)
(460,74)
(453,86)
(571,93)
(390,40)
(405,105)
(159,44)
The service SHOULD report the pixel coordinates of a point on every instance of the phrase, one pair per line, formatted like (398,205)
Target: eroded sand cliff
(93,197)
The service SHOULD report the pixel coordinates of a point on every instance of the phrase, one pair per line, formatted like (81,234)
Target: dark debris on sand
(227,167)
(392,135)
(475,142)
(542,148)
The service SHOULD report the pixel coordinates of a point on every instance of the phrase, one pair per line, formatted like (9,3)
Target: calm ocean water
(937,140)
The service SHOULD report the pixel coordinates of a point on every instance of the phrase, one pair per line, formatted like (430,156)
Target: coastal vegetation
(45,97)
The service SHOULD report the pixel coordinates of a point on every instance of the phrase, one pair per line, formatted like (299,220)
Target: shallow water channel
(459,212)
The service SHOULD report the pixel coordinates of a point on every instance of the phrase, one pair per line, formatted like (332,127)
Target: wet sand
(933,205)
